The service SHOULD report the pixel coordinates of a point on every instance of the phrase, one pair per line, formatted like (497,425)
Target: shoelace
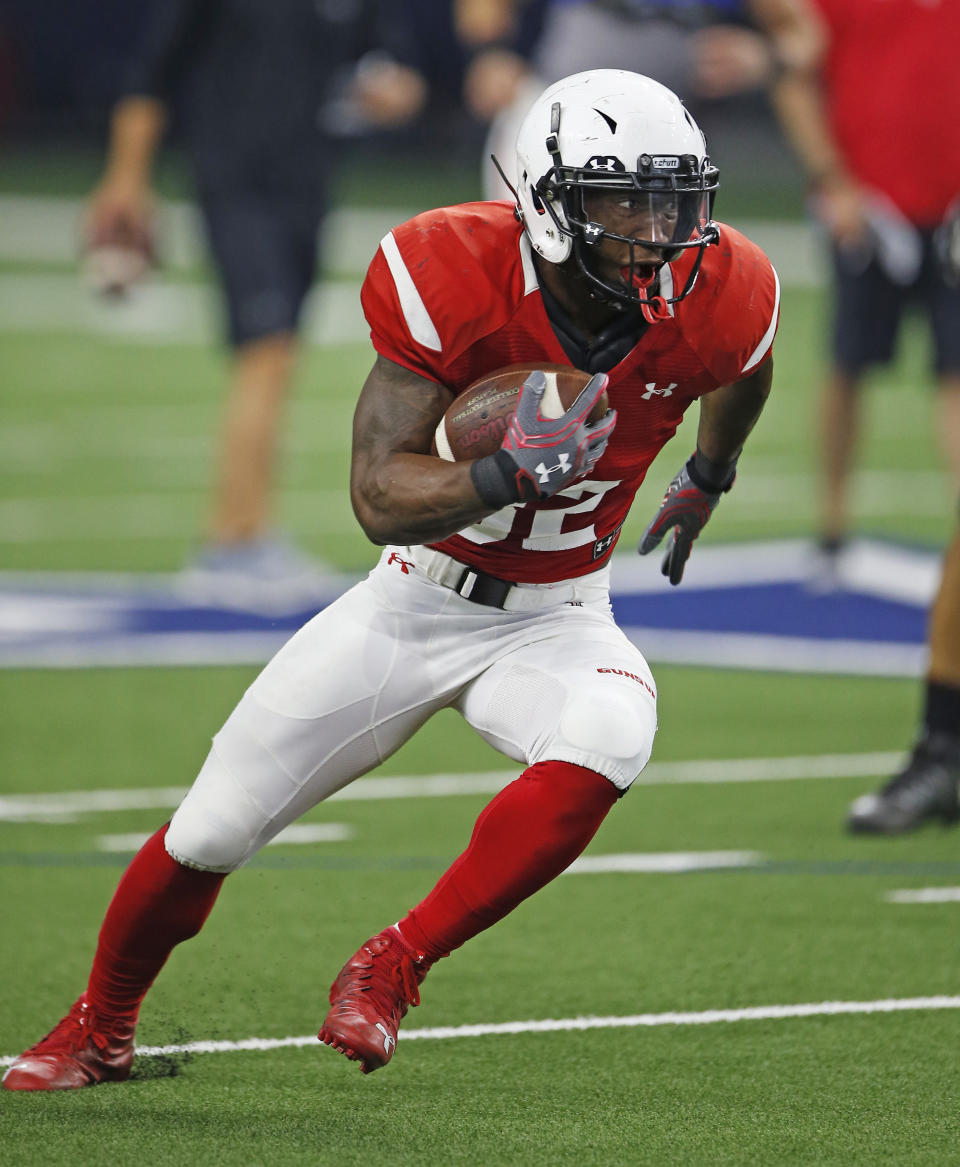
(383,984)
(70,1033)
(407,974)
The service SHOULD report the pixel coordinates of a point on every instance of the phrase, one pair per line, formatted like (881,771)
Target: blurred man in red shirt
(875,130)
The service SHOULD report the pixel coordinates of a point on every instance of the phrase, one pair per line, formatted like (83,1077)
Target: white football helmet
(606,132)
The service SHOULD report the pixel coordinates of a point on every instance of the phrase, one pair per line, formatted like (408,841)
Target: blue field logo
(772,605)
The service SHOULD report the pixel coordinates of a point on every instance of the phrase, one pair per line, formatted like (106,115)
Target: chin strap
(656,307)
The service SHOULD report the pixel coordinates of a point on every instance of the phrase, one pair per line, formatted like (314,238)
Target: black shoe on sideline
(925,789)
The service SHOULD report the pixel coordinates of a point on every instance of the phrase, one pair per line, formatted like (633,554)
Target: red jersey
(893,98)
(453,295)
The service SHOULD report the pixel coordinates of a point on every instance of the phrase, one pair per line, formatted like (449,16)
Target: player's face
(651,216)
(644,217)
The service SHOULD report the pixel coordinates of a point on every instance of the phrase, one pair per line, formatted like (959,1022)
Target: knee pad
(611,733)
(216,827)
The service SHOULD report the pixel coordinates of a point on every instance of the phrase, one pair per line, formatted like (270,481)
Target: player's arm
(137,124)
(799,40)
(403,494)
(121,209)
(139,118)
(400,492)
(727,415)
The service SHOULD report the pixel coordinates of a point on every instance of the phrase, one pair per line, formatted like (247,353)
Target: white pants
(557,680)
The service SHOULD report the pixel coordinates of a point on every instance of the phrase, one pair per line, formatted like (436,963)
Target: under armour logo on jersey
(653,391)
(388,1041)
(602,546)
(544,471)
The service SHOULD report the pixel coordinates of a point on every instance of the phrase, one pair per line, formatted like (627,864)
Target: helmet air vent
(608,119)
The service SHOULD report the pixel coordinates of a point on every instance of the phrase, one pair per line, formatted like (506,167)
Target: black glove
(689,502)
(540,455)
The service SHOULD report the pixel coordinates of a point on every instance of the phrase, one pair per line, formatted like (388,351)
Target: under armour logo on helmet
(599,162)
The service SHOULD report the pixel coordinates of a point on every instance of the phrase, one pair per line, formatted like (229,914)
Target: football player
(491,594)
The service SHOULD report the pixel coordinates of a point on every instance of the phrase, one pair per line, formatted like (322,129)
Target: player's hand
(729,59)
(540,455)
(385,93)
(119,236)
(684,512)
(121,213)
(841,207)
(493,80)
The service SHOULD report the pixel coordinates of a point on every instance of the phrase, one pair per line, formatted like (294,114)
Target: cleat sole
(349,1052)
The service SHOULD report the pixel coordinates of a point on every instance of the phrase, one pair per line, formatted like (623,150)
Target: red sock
(524,838)
(158,903)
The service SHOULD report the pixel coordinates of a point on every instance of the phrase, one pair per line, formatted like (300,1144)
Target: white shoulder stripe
(421,327)
(767,340)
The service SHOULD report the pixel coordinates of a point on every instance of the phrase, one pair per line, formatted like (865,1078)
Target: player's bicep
(749,391)
(728,414)
(399,491)
(397,411)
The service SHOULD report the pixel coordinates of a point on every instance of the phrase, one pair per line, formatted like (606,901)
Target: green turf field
(104,464)
(807,925)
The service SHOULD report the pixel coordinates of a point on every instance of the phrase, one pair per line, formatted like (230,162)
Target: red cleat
(369,999)
(81,1051)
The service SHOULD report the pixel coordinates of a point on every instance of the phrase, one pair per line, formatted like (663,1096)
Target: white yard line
(44,230)
(67,805)
(574,1024)
(924,895)
(663,862)
(161,312)
(163,514)
(640,863)
(146,516)
(298,833)
(25,447)
(36,229)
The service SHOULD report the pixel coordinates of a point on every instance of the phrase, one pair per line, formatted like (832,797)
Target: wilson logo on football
(493,430)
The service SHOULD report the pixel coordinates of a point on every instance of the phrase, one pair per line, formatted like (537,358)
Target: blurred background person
(705,51)
(878,142)
(498,38)
(246,82)
(926,788)
(884,172)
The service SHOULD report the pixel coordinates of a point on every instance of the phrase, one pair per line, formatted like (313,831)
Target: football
(476,421)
